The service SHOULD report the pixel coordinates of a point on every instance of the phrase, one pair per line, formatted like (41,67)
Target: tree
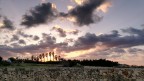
(32,58)
(43,55)
(47,56)
(56,58)
(40,57)
(37,58)
(50,55)
(53,55)
(59,58)
(1,59)
(12,59)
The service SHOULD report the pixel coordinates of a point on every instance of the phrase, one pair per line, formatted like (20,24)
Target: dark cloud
(62,33)
(48,39)
(109,40)
(0,16)
(134,50)
(129,40)
(14,38)
(47,43)
(74,32)
(15,44)
(36,38)
(142,25)
(69,40)
(7,24)
(108,37)
(135,31)
(86,42)
(116,50)
(84,14)
(21,41)
(21,33)
(41,14)
(113,41)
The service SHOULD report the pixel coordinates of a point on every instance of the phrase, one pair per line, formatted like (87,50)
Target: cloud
(111,40)
(84,14)
(80,15)
(14,38)
(70,7)
(74,32)
(36,38)
(118,50)
(41,14)
(134,31)
(89,40)
(63,33)
(21,33)
(1,22)
(86,42)
(112,46)
(48,43)
(79,2)
(5,23)
(104,7)
(21,41)
(43,1)
(134,50)
(69,40)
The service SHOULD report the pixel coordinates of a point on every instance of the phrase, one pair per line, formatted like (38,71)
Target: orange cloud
(104,7)
(70,8)
(72,19)
(1,24)
(54,6)
(79,2)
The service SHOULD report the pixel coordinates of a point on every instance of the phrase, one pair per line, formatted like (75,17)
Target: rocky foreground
(71,74)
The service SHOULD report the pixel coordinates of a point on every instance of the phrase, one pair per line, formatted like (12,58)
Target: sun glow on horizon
(84,52)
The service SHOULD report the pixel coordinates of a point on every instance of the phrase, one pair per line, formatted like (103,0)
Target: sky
(73,29)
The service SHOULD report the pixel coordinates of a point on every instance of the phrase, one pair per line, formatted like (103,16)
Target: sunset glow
(84,52)
(104,7)
(73,19)
(1,24)
(79,2)
(70,8)
(54,6)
